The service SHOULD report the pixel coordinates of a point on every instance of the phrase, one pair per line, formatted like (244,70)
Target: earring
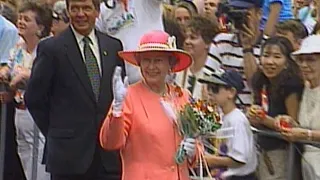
(39,33)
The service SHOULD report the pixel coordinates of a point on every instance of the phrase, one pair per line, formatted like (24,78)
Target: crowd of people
(92,89)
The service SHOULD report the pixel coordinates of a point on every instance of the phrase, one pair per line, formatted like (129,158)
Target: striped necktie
(92,67)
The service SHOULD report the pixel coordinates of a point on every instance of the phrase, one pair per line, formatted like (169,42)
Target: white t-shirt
(241,147)
(129,26)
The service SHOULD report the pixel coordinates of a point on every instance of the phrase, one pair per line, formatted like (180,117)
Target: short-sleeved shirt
(8,38)
(277,106)
(227,51)
(305,15)
(241,147)
(285,12)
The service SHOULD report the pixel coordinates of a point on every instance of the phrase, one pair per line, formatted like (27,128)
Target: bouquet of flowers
(196,119)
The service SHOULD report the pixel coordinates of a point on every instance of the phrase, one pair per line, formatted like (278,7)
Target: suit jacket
(59,96)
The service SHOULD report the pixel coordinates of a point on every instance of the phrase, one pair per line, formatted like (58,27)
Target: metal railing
(3,125)
(291,148)
(291,151)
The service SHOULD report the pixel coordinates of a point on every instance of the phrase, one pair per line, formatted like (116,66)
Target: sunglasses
(60,17)
(215,88)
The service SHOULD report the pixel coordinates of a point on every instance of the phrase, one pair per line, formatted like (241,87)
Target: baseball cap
(230,78)
(246,4)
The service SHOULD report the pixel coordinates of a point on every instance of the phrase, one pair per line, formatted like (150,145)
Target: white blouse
(309,118)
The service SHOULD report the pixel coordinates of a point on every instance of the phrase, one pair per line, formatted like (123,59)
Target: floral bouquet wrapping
(196,119)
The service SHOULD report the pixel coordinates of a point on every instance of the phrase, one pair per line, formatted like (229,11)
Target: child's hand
(255,114)
(254,111)
(211,159)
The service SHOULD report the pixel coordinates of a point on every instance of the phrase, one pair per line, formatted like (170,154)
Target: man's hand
(247,35)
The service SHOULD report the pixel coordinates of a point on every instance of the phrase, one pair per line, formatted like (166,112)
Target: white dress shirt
(94,45)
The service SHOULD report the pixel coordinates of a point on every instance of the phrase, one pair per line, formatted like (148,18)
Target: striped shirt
(188,80)
(227,51)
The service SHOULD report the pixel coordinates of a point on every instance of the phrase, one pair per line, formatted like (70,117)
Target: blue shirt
(305,15)
(285,12)
(8,39)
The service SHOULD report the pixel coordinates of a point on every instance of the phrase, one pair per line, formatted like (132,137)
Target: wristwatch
(247,50)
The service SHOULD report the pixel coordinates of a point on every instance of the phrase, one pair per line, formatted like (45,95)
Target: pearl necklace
(161,94)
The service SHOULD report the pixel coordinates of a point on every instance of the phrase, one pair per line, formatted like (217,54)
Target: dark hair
(316,28)
(206,28)
(96,3)
(188,5)
(12,3)
(43,15)
(295,26)
(173,29)
(8,12)
(259,80)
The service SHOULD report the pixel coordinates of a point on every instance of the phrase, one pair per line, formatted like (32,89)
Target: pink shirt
(147,138)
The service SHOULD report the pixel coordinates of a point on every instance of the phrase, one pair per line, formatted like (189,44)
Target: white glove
(119,88)
(189,146)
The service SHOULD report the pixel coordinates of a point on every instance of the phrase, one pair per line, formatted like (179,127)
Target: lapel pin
(105,53)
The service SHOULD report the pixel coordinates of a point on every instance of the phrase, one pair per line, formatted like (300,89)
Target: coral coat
(146,137)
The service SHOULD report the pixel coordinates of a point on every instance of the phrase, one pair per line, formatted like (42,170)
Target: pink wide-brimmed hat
(159,41)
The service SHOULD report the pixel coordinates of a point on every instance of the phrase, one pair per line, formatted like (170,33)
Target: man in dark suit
(69,94)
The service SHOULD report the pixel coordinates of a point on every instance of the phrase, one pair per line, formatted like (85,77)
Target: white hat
(310,45)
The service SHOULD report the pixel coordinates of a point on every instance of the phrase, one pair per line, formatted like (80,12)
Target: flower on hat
(172,42)
(159,41)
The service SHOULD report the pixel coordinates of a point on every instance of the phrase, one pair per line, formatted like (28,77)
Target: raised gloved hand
(189,146)
(119,88)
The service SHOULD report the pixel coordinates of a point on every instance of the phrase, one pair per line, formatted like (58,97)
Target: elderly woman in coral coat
(141,121)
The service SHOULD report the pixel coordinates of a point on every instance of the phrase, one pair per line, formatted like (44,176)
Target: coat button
(172,168)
